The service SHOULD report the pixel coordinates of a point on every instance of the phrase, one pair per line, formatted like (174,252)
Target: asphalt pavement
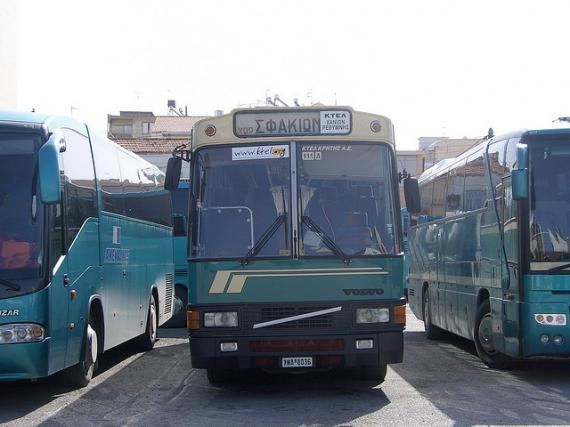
(439,383)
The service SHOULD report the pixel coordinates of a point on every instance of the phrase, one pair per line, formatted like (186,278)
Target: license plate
(296,362)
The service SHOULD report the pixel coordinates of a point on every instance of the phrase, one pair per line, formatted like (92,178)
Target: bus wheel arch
(96,316)
(482,336)
(81,373)
(148,338)
(432,332)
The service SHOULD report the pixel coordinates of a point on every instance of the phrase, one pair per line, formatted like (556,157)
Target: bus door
(440,279)
(510,271)
(81,239)
(434,243)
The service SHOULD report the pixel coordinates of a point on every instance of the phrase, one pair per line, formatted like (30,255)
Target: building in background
(153,137)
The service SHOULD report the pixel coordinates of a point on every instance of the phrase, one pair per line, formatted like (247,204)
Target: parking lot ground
(439,383)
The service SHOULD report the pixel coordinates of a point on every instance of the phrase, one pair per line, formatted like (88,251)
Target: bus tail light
(400,315)
(193,320)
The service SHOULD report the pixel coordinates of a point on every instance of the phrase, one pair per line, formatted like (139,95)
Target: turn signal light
(193,320)
(400,315)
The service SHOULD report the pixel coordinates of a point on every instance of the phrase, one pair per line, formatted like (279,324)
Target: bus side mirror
(173,170)
(48,158)
(412,195)
(520,184)
(520,175)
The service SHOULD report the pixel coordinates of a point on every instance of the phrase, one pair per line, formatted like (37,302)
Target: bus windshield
(346,189)
(549,204)
(240,193)
(21,218)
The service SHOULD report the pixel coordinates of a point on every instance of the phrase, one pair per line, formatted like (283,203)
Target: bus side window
(79,185)
(426,192)
(454,197)
(475,183)
(439,196)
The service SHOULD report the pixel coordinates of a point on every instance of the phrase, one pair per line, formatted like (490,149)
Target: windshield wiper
(558,268)
(11,285)
(329,243)
(262,241)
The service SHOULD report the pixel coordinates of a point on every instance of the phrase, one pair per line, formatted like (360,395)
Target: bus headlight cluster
(373,315)
(552,319)
(20,333)
(222,319)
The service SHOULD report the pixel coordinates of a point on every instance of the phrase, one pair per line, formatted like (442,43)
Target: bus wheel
(219,376)
(80,374)
(374,373)
(483,337)
(148,339)
(432,331)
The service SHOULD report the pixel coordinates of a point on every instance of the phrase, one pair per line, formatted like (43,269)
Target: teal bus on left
(86,252)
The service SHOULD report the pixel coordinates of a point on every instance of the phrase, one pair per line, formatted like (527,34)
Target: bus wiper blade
(11,285)
(329,243)
(558,268)
(262,241)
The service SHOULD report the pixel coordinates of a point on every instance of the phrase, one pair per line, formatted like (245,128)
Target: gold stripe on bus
(239,277)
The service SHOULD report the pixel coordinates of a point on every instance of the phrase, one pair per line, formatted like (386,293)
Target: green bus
(86,258)
(295,252)
(490,256)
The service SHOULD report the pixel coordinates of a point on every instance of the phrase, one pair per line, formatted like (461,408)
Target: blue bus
(491,263)
(180,232)
(85,248)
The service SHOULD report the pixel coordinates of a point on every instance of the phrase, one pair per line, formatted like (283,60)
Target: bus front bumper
(24,361)
(325,351)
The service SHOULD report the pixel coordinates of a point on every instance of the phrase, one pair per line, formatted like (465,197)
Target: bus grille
(169,293)
(268,313)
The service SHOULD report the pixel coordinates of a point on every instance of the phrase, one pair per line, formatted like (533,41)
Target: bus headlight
(551,319)
(15,333)
(373,315)
(222,319)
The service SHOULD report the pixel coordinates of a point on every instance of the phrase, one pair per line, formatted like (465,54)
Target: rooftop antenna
(270,101)
(296,102)
(276,99)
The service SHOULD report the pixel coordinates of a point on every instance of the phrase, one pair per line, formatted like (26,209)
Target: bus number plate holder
(296,362)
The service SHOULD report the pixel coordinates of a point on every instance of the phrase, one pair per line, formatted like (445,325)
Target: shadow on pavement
(452,377)
(161,388)
(21,398)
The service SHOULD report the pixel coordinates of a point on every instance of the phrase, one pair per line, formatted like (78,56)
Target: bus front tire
(81,374)
(483,337)
(432,332)
(374,373)
(148,339)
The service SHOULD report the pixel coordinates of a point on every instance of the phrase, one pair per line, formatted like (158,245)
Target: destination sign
(251,124)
